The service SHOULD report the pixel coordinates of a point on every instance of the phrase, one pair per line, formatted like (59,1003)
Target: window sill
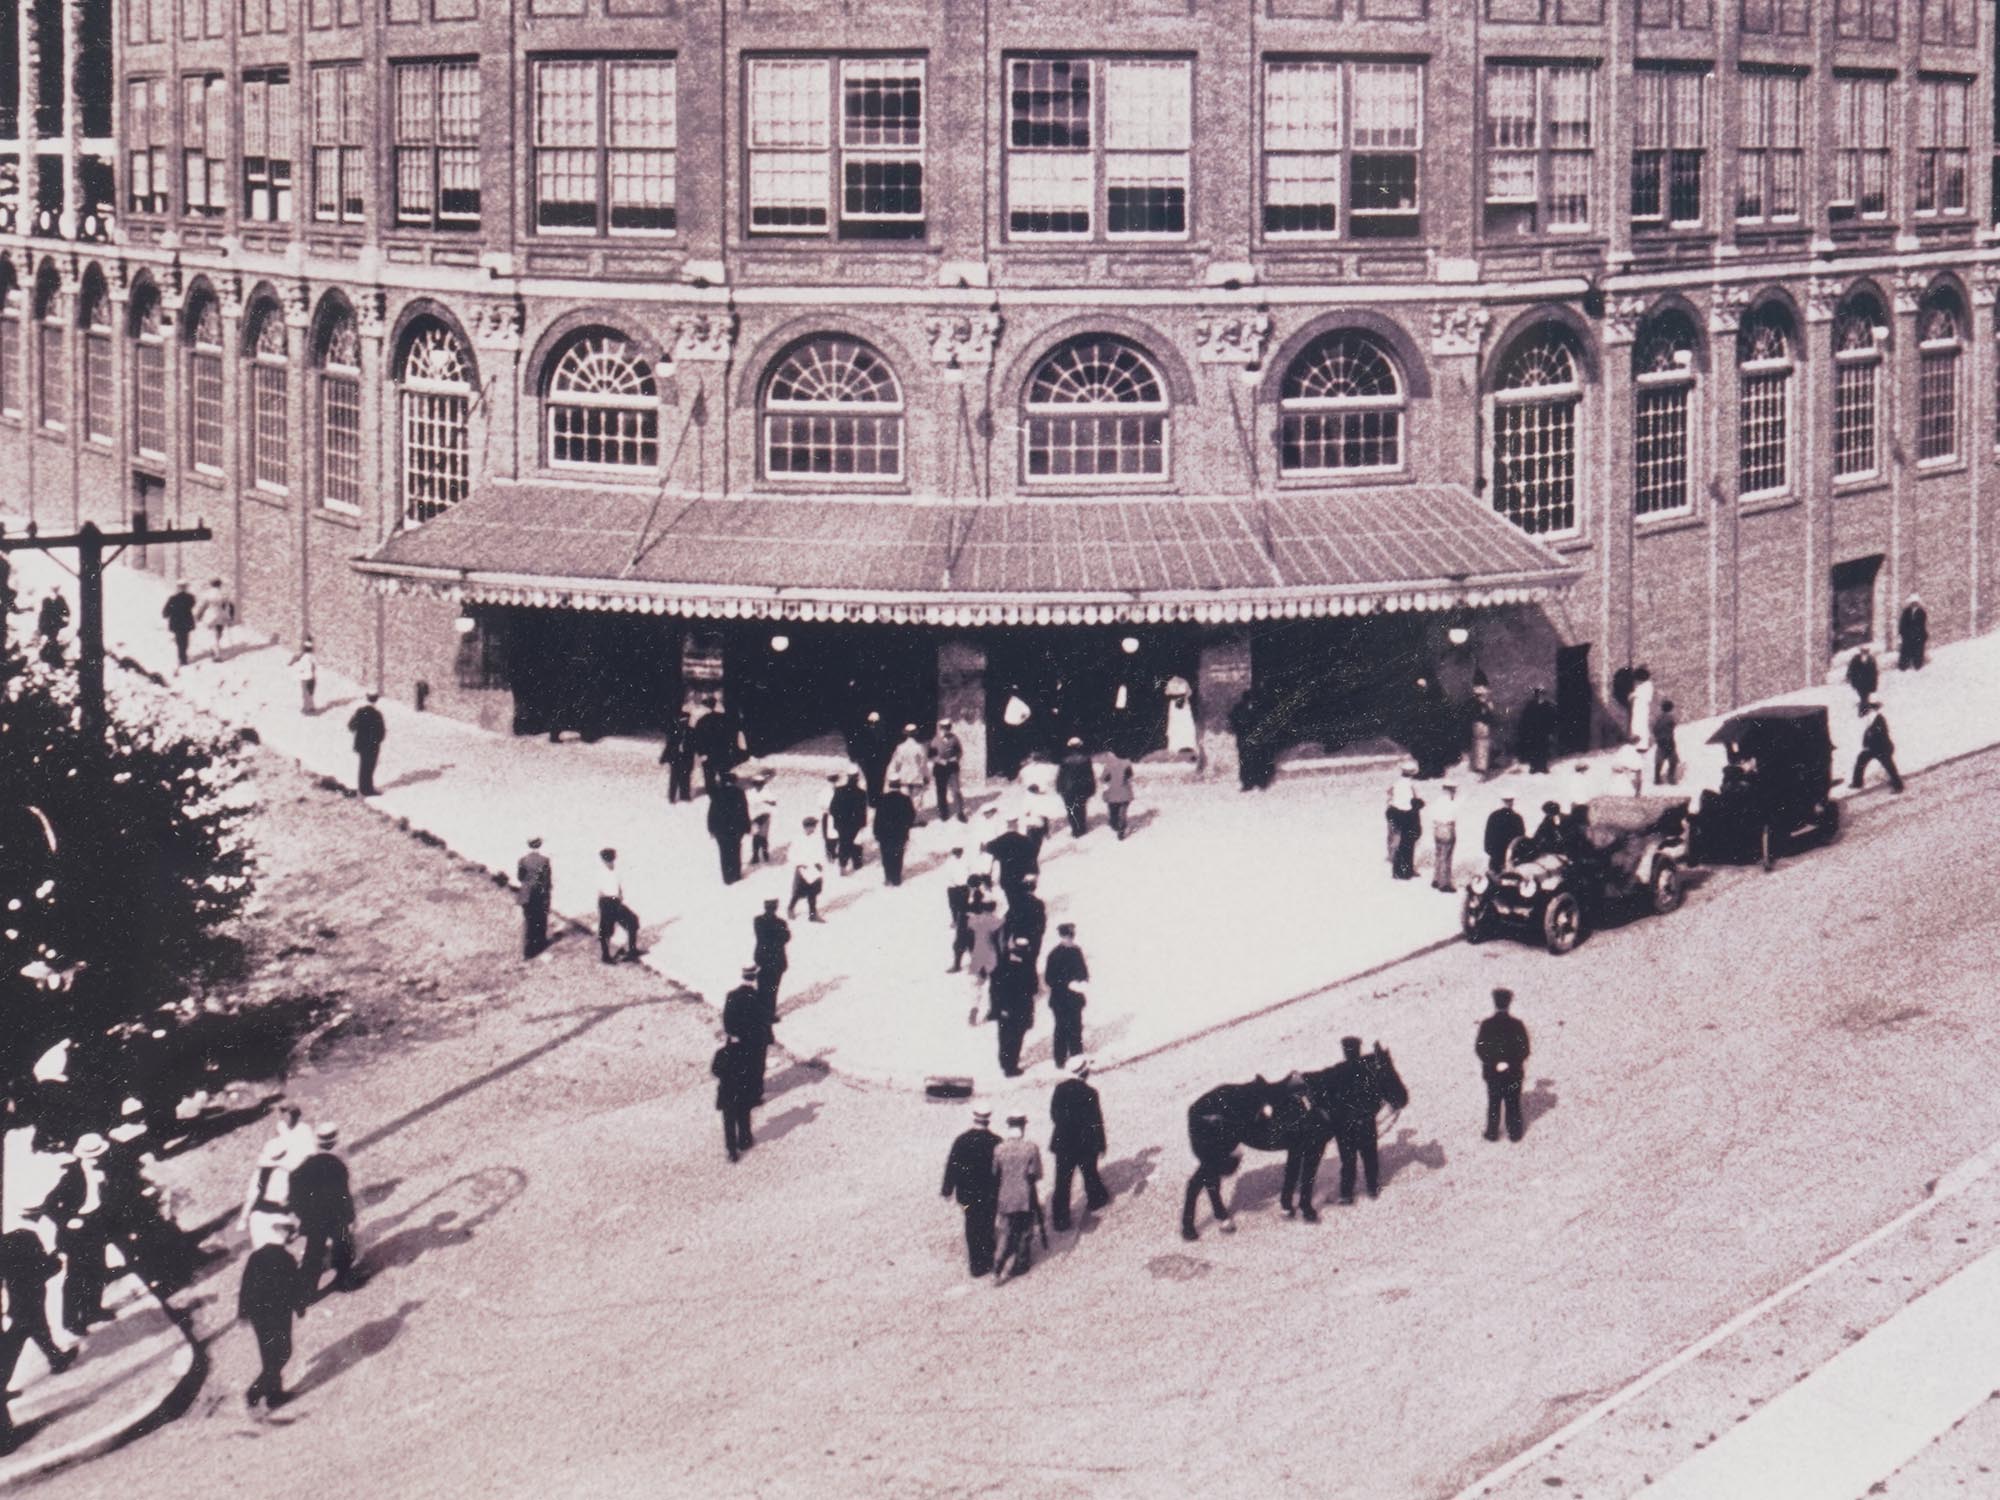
(97,444)
(267,499)
(1754,505)
(1361,479)
(1567,544)
(1150,489)
(785,488)
(337,518)
(1938,467)
(1058,247)
(205,478)
(55,437)
(1670,522)
(804,245)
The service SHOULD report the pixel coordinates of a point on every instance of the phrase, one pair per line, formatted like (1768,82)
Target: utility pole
(89,543)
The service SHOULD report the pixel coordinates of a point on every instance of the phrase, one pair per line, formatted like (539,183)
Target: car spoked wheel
(1667,888)
(1472,919)
(1562,923)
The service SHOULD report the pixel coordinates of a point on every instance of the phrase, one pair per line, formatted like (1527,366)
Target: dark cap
(1065,929)
(770,903)
(1351,1045)
(749,971)
(1551,807)
(1502,999)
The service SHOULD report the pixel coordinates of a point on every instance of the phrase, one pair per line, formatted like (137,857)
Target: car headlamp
(1529,885)
(1479,884)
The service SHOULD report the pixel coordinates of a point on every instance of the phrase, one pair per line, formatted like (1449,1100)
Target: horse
(1299,1115)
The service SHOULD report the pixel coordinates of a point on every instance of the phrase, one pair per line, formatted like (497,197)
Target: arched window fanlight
(1341,408)
(833,410)
(1096,409)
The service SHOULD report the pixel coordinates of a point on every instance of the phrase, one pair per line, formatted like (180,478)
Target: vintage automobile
(1776,790)
(1628,850)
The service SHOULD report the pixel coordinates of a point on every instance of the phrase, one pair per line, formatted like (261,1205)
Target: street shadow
(1537,1102)
(811,995)
(797,1075)
(1258,1186)
(777,1127)
(413,778)
(480,1196)
(360,1344)
(1404,1151)
(1128,1176)
(377,1192)
(208,1126)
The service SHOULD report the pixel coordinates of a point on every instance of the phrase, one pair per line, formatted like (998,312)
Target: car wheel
(1667,888)
(1472,919)
(1829,825)
(1562,923)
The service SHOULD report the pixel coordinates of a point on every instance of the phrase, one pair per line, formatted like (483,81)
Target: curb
(189,1368)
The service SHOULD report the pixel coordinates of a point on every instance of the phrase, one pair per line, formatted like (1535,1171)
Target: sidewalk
(1220,905)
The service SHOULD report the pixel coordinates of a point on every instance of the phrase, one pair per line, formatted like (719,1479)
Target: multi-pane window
(1669,136)
(833,410)
(1955,22)
(1865,20)
(1663,392)
(1096,409)
(437,144)
(1686,15)
(324,13)
(1534,436)
(99,387)
(435,393)
(264,15)
(1340,410)
(267,146)
(146,21)
(1943,157)
(605,133)
(204,365)
(270,406)
(1939,344)
(204,143)
(149,375)
(1342,133)
(340,414)
(862,178)
(1857,373)
(201,18)
(1098,147)
(603,406)
(442,10)
(10,347)
(1538,147)
(51,356)
(149,126)
(1860,148)
(1777,17)
(339,143)
(1771,159)
(1764,379)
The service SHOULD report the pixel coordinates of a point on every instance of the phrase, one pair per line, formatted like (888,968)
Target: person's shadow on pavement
(1403,1151)
(1537,1102)
(370,1339)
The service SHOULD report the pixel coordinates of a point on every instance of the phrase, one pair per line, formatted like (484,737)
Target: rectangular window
(205,410)
(437,463)
(269,445)
(1776,17)
(1771,160)
(1950,22)
(1764,450)
(10,362)
(97,384)
(53,360)
(866,181)
(1669,134)
(605,144)
(1854,377)
(1865,20)
(1687,15)
(442,10)
(204,140)
(1943,158)
(1937,402)
(340,443)
(267,146)
(200,18)
(1534,461)
(437,145)
(1661,445)
(149,398)
(1861,149)
(1539,147)
(146,21)
(1312,147)
(340,161)
(264,15)
(149,126)
(1098,148)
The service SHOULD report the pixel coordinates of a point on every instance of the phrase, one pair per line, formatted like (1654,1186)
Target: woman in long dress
(1181,736)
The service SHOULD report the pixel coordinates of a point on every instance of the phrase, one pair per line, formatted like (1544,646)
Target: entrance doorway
(596,674)
(793,683)
(1574,699)
(1081,682)
(1340,681)
(1853,585)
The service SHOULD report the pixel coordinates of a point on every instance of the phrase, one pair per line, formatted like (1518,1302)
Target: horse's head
(1388,1082)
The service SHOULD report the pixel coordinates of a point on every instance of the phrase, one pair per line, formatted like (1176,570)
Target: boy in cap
(763,807)
(808,874)
(1666,753)
(1017,1164)
(969,1175)
(323,1204)
(1076,1117)
(267,1300)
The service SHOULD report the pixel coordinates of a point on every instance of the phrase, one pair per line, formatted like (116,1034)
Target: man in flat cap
(910,766)
(1067,974)
(1355,1099)
(947,756)
(746,1019)
(969,1175)
(739,1088)
(1076,1117)
(1502,1048)
(537,878)
(1017,1163)
(1503,826)
(772,935)
(1076,784)
(1012,992)
(323,1203)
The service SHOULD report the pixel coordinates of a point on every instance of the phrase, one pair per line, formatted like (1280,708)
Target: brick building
(568,356)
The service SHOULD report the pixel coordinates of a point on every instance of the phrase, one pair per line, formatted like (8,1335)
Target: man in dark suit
(746,1018)
(25,1268)
(1067,974)
(268,1300)
(1503,826)
(1011,991)
(178,612)
(323,1202)
(1077,1139)
(728,822)
(772,935)
(969,1176)
(847,814)
(739,1088)
(1913,635)
(1015,856)
(895,816)
(1354,1101)
(1027,919)
(1076,784)
(1535,733)
(75,1205)
(537,878)
(1863,674)
(677,755)
(873,745)
(1502,1049)
(1876,745)
(369,729)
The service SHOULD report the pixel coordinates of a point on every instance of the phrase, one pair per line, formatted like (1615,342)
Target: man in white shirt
(1628,763)
(808,873)
(612,912)
(1642,709)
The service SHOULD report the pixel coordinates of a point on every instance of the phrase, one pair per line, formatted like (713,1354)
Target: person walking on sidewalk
(1913,635)
(1444,839)
(217,612)
(749,1021)
(910,767)
(1017,1163)
(1876,745)
(772,935)
(268,1299)
(1012,993)
(808,873)
(369,730)
(1666,745)
(763,808)
(1076,784)
(969,1176)
(957,895)
(26,1266)
(947,756)
(537,879)
(1076,1138)
(895,816)
(728,821)
(677,755)
(739,1088)
(983,923)
(1028,919)
(1503,826)
(1863,675)
(305,672)
(848,812)
(178,612)
(1068,976)
(323,1203)
(1535,733)
(612,912)
(1502,1049)
(1117,790)
(76,1207)
(1406,825)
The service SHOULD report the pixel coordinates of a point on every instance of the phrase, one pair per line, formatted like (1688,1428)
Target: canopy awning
(955,562)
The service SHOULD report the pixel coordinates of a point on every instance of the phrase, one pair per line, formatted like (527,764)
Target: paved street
(576,1294)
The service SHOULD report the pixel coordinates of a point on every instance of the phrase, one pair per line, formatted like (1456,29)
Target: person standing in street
(1406,825)
(739,1088)
(1012,993)
(305,672)
(871,751)
(1503,826)
(612,912)
(1016,856)
(1628,766)
(1076,784)
(1444,839)
(369,730)
(323,1203)
(1356,1101)
(947,757)
(1640,721)
(1535,732)
(763,808)
(26,1266)
(1118,771)
(1502,1049)
(728,821)
(895,816)
(969,1176)
(677,755)
(808,873)
(75,1205)
(848,812)
(1863,674)
(268,1299)
(217,612)
(826,796)
(1017,1163)
(749,1022)
(1876,745)
(957,896)
(1028,919)
(537,879)
(1913,635)
(983,923)
(1183,738)
(1068,976)
(772,935)
(1666,745)
(178,612)
(910,767)
(1076,1138)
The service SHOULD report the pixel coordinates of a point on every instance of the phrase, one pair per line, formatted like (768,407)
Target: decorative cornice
(1823,298)
(371,311)
(960,341)
(1232,338)
(1726,306)
(1458,328)
(706,338)
(497,325)
(1622,317)
(1910,287)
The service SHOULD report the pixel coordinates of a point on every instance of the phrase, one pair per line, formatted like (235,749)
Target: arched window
(1663,392)
(833,410)
(1939,343)
(340,411)
(269,414)
(51,353)
(10,341)
(204,320)
(603,407)
(99,387)
(1341,408)
(1764,409)
(1534,435)
(1858,333)
(1097,409)
(149,374)
(434,390)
